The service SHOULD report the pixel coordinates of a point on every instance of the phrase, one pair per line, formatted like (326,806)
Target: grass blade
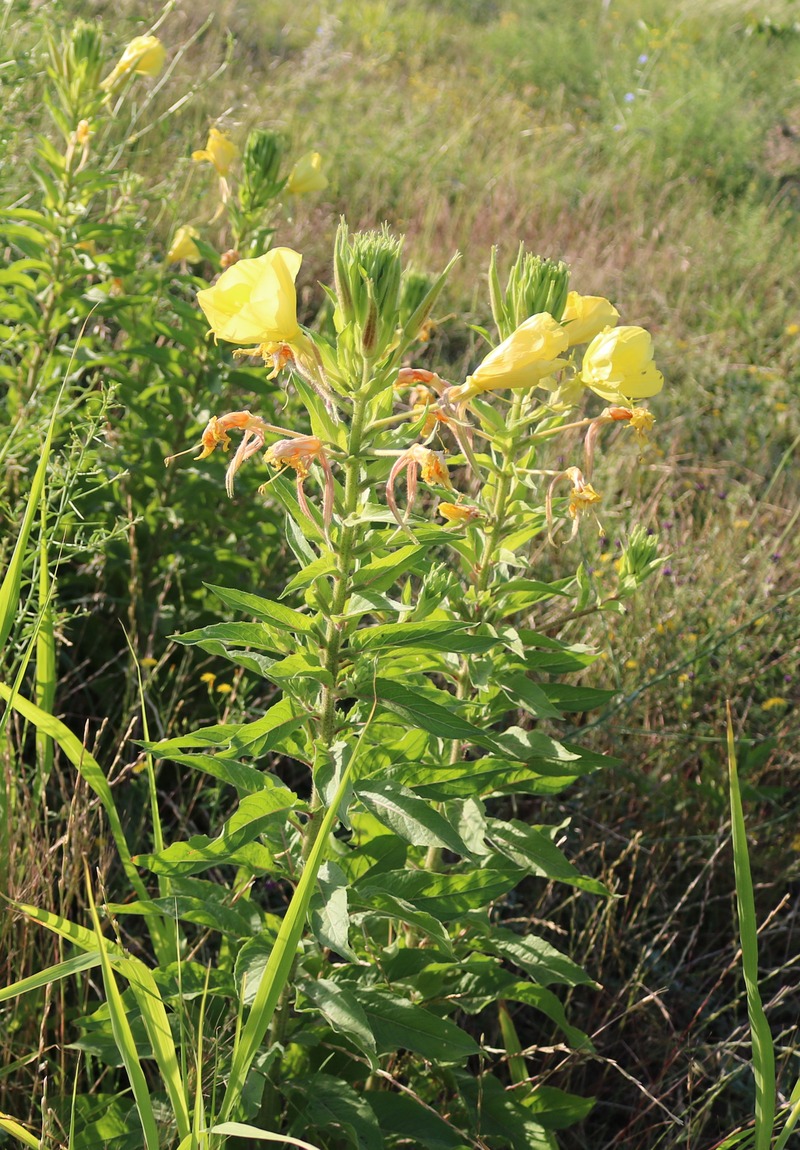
(123,1037)
(12,581)
(762,1047)
(45,659)
(19,1132)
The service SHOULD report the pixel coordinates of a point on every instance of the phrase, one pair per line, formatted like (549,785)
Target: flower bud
(638,560)
(261,165)
(367,270)
(534,285)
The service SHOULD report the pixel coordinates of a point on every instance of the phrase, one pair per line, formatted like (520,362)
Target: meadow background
(656,149)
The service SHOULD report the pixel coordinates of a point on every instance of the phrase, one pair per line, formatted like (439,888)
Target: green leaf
(538,958)
(403,1116)
(439,718)
(324,565)
(402,1025)
(374,900)
(409,816)
(343,1012)
(237,634)
(254,813)
(267,611)
(246,779)
(237,738)
(51,974)
(329,913)
(245,1130)
(328,1103)
(446,896)
(432,636)
(556,1109)
(532,847)
(381,574)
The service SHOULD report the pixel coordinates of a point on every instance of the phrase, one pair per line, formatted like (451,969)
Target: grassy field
(656,149)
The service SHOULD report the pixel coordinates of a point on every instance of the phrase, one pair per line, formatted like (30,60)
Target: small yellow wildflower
(529,356)
(307,175)
(144,56)
(148,662)
(618,365)
(224,689)
(219,151)
(183,246)
(254,301)
(585,316)
(631,664)
(792,329)
(775,701)
(208,677)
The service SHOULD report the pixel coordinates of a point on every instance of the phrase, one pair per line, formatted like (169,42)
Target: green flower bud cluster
(638,561)
(534,285)
(76,67)
(368,272)
(261,169)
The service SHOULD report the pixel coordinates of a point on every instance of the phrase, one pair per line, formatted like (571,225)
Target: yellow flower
(618,365)
(585,316)
(183,246)
(458,513)
(224,689)
(307,175)
(219,151)
(254,301)
(528,356)
(208,677)
(144,56)
(775,701)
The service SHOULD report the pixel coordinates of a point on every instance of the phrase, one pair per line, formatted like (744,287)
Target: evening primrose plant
(418,689)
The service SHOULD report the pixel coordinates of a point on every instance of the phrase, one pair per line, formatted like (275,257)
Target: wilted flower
(582,495)
(459,514)
(307,175)
(413,460)
(183,246)
(254,302)
(299,453)
(219,151)
(529,355)
(144,56)
(618,365)
(585,316)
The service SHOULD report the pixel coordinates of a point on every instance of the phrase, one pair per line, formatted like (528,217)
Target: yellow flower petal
(618,365)
(183,246)
(529,355)
(585,316)
(219,151)
(254,301)
(307,175)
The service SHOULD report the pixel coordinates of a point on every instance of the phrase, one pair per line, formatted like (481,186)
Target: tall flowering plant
(415,661)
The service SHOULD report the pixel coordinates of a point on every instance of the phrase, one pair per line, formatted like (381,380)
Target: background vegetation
(656,149)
